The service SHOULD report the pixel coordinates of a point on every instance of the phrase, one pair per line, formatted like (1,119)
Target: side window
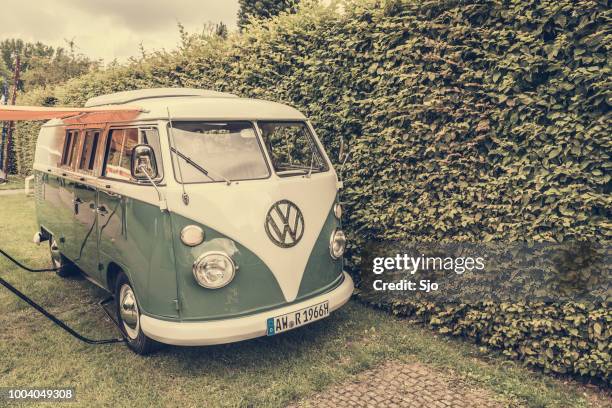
(150,136)
(90,146)
(74,149)
(66,151)
(70,152)
(119,155)
(292,148)
(69,146)
(119,151)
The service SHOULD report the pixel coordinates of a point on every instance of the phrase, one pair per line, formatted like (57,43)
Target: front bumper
(240,328)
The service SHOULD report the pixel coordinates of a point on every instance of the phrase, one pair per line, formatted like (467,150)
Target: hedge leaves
(466,121)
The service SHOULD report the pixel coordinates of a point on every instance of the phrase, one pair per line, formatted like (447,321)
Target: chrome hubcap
(128,309)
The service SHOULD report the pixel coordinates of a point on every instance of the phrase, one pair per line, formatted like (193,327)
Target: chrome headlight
(337,244)
(214,270)
(192,235)
(338,211)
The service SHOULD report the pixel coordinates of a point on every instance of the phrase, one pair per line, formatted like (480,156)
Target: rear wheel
(128,314)
(64,268)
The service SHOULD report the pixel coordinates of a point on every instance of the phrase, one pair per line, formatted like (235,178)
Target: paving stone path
(396,385)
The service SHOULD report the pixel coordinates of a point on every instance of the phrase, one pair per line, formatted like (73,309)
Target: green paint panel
(144,250)
(54,207)
(137,236)
(146,244)
(85,229)
(254,288)
(321,270)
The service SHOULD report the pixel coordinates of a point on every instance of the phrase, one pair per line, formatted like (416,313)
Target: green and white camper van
(211,218)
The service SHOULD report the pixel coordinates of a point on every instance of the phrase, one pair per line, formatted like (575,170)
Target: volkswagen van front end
(256,231)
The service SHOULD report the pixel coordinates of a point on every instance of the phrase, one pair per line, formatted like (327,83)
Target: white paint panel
(239,212)
(49,145)
(237,329)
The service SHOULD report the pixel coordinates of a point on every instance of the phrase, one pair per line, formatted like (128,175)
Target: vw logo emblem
(285,224)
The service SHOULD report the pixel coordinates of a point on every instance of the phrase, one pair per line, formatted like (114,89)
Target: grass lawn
(14,182)
(263,372)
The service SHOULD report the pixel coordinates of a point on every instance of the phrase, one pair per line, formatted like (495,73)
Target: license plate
(298,318)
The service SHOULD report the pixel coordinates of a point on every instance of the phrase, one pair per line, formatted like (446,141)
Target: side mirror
(144,166)
(343,155)
(343,152)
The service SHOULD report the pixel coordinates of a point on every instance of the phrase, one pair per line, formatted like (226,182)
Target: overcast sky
(110,29)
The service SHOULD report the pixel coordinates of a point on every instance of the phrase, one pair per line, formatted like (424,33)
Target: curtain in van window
(118,164)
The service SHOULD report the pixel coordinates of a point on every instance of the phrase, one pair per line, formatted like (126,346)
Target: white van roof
(120,98)
(196,104)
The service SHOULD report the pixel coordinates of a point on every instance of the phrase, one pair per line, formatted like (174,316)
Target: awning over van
(101,114)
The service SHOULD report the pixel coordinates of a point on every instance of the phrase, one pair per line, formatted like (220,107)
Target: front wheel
(128,314)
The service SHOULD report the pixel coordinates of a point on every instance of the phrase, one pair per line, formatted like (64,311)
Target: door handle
(75,203)
(113,195)
(102,210)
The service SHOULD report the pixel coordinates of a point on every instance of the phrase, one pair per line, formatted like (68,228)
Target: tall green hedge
(262,9)
(466,120)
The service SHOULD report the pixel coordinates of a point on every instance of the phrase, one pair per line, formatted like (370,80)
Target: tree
(221,30)
(12,47)
(43,65)
(58,68)
(40,66)
(263,9)
(5,75)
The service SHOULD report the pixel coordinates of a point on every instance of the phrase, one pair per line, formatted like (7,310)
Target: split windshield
(291,148)
(230,151)
(216,151)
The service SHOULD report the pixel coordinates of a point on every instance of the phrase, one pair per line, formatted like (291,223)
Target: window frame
(312,140)
(94,154)
(159,180)
(66,147)
(66,161)
(262,148)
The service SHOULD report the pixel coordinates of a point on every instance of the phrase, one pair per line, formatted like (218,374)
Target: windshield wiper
(292,171)
(306,171)
(197,166)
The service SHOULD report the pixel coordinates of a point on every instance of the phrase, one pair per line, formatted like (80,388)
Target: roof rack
(120,98)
